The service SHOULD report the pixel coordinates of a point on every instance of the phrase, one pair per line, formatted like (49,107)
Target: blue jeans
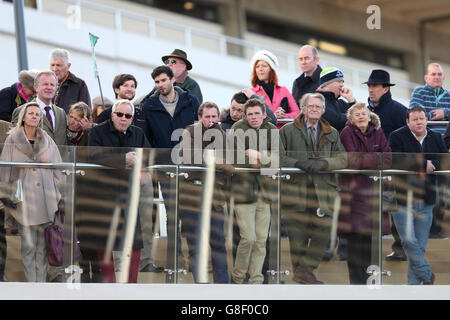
(415,240)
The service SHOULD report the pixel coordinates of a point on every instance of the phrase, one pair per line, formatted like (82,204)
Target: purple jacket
(357,190)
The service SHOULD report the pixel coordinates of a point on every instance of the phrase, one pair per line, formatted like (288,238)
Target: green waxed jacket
(295,146)
(247,186)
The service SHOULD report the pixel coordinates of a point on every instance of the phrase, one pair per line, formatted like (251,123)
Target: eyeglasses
(121,114)
(316,106)
(171,62)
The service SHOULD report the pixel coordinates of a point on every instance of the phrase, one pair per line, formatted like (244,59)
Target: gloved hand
(312,166)
(8,203)
(228,169)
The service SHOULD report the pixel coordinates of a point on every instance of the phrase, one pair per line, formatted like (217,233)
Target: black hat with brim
(379,77)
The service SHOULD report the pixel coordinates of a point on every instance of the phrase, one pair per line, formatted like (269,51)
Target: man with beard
(180,65)
(170,108)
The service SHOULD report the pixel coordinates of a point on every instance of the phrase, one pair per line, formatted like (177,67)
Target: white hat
(266,56)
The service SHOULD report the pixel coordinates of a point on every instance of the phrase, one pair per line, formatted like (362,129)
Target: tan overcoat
(39,185)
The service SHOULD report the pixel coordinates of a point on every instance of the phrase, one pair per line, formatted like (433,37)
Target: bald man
(309,80)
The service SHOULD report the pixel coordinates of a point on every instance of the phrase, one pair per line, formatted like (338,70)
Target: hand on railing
(8,203)
(312,166)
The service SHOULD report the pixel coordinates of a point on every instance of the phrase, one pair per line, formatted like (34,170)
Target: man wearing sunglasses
(123,138)
(180,65)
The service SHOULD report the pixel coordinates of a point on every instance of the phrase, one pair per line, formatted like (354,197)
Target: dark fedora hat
(379,76)
(180,54)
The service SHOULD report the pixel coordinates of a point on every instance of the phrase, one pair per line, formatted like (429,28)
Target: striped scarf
(22,94)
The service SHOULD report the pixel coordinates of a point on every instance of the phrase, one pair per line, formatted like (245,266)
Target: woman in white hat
(264,82)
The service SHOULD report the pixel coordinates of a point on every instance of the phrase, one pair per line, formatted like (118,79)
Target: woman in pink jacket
(264,81)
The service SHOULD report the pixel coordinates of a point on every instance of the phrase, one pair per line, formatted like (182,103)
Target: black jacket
(304,84)
(335,110)
(100,191)
(9,100)
(105,135)
(447,136)
(138,119)
(72,90)
(403,141)
(392,114)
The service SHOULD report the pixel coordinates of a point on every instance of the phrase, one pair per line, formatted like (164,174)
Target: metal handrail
(79,166)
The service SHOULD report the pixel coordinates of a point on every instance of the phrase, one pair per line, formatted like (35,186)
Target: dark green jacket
(295,146)
(247,186)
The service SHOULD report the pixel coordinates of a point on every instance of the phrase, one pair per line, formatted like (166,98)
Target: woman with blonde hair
(28,142)
(264,82)
(78,124)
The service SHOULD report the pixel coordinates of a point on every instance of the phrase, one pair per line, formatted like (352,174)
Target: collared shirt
(42,105)
(422,140)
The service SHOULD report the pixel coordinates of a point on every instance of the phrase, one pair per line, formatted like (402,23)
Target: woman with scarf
(17,94)
(367,149)
(264,82)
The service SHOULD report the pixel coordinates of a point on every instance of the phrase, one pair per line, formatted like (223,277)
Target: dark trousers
(3,246)
(359,257)
(309,235)
(89,264)
(190,214)
(190,229)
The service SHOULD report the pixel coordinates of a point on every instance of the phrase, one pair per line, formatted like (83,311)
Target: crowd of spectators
(329,130)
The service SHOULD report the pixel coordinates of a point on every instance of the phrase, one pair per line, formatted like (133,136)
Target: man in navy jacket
(420,188)
(392,113)
(168,109)
(392,116)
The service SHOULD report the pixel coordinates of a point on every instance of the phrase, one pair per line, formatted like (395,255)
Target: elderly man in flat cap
(180,65)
